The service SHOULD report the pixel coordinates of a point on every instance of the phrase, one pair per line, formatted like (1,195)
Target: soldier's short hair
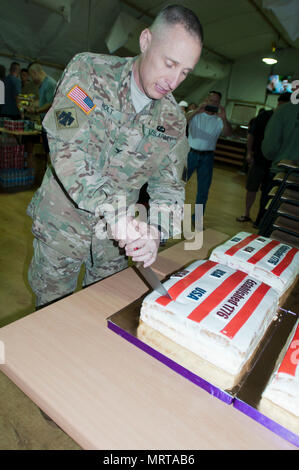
(178,14)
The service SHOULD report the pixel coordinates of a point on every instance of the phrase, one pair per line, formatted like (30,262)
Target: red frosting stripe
(291,359)
(232,328)
(231,251)
(200,312)
(285,262)
(175,290)
(263,252)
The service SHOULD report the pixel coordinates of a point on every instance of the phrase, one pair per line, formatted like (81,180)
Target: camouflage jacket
(101,149)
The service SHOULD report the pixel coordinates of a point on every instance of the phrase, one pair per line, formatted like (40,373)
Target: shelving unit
(281,220)
(231,151)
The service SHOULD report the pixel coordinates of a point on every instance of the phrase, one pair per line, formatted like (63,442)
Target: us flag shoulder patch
(81,99)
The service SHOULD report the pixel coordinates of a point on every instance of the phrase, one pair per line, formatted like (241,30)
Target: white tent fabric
(120,32)
(33,32)
(287,12)
(62,7)
(53,31)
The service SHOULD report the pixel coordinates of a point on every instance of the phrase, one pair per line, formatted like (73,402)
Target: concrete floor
(21,424)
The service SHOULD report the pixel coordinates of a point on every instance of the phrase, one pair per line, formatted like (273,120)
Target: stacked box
(10,178)
(12,156)
(13,125)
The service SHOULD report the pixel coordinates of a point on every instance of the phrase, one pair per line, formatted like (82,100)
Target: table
(106,393)
(27,164)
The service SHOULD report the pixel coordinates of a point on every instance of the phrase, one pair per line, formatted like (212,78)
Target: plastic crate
(11,156)
(16,177)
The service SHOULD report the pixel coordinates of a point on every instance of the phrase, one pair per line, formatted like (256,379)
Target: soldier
(113,126)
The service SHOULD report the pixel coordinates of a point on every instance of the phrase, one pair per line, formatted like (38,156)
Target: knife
(152,279)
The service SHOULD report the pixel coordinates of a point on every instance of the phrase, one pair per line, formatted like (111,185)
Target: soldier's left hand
(145,248)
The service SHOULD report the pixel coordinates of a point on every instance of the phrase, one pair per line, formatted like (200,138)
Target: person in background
(183,105)
(114,125)
(28,86)
(191,107)
(247,160)
(46,90)
(258,175)
(13,86)
(206,123)
(281,140)
(2,77)
(258,165)
(30,90)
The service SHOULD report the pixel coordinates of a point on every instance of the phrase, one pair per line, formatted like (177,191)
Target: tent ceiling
(232,28)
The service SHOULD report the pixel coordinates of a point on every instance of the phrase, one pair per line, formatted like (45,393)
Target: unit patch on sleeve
(66,118)
(81,99)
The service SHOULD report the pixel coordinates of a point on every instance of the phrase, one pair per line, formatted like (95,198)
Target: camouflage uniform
(99,151)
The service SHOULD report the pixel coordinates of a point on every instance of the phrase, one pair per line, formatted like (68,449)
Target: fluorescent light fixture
(269,60)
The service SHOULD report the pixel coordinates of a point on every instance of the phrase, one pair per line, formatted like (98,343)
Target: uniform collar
(124,87)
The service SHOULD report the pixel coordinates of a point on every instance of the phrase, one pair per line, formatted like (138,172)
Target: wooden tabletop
(106,393)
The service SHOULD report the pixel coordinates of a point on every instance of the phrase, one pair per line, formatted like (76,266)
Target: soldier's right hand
(125,230)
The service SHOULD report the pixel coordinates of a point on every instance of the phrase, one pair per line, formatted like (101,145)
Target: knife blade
(152,279)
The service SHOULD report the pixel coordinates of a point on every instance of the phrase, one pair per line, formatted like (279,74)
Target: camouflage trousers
(53,275)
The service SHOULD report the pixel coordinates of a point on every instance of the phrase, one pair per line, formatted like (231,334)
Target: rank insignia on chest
(66,118)
(81,99)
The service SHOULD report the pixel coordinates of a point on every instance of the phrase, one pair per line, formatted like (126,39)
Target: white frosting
(283,387)
(209,337)
(264,269)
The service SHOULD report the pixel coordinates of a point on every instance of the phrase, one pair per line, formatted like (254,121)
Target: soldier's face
(167,56)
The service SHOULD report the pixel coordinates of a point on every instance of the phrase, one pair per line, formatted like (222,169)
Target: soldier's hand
(145,248)
(125,230)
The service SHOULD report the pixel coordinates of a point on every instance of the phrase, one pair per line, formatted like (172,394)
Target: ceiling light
(269,60)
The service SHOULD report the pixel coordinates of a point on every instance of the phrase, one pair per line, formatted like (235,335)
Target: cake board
(246,394)
(125,323)
(248,397)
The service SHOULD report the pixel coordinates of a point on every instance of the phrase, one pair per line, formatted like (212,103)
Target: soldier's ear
(145,40)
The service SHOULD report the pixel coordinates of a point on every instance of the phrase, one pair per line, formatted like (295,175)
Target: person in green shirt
(281,140)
